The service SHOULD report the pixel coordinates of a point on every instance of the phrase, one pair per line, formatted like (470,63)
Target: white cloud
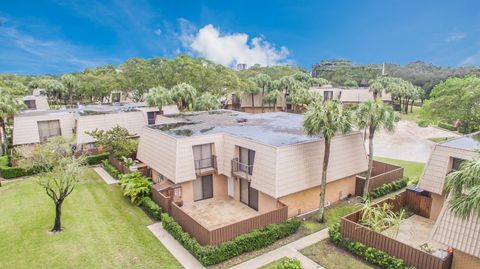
(158,31)
(230,49)
(457,36)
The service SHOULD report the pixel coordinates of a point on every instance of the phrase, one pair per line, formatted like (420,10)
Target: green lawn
(411,169)
(102,229)
(412,116)
(439,139)
(333,214)
(330,256)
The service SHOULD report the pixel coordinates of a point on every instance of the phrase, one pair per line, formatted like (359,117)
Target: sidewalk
(104,175)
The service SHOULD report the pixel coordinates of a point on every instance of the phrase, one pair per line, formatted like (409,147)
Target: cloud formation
(457,36)
(230,49)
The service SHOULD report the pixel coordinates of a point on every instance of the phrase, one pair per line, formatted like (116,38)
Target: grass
(414,116)
(274,264)
(332,215)
(330,256)
(411,169)
(439,139)
(101,229)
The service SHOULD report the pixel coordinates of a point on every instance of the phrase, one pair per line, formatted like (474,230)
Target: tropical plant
(350,83)
(262,81)
(159,97)
(71,84)
(376,88)
(8,107)
(136,186)
(464,189)
(381,217)
(272,98)
(117,141)
(250,88)
(183,95)
(326,119)
(206,101)
(374,115)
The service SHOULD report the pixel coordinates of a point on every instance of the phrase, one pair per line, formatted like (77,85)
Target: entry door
(203,188)
(248,195)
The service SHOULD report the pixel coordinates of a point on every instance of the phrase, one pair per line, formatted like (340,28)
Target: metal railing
(242,168)
(206,164)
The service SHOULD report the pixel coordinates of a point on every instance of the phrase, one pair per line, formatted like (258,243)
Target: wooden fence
(381,173)
(351,229)
(162,200)
(144,170)
(227,232)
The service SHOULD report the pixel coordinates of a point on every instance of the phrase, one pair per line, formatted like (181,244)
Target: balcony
(242,170)
(205,166)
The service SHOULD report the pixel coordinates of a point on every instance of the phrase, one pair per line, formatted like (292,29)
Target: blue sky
(40,37)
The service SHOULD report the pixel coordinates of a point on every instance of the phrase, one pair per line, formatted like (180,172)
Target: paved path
(291,250)
(104,175)
(178,251)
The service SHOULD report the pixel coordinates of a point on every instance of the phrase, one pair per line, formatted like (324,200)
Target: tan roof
(458,233)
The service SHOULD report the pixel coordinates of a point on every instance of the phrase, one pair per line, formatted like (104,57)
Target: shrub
(446,126)
(369,254)
(96,159)
(389,187)
(136,186)
(209,255)
(8,172)
(152,209)
(423,123)
(111,169)
(291,263)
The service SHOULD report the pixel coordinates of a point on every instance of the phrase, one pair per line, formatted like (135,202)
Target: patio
(415,231)
(214,213)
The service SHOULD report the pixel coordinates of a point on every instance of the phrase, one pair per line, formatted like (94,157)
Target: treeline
(421,74)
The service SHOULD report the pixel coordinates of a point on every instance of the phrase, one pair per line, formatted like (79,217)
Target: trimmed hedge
(151,208)
(209,255)
(389,187)
(446,126)
(369,254)
(289,263)
(8,172)
(111,169)
(96,159)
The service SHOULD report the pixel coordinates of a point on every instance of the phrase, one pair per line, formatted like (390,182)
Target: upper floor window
(31,104)
(48,129)
(246,160)
(456,163)
(152,116)
(202,155)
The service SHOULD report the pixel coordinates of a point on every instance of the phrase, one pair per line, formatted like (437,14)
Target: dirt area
(408,142)
(214,213)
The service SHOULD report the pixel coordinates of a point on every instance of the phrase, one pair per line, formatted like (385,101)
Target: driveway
(408,142)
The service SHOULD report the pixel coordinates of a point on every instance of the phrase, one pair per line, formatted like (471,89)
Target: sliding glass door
(248,195)
(203,188)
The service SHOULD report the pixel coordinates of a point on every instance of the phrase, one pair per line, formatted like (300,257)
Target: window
(203,188)
(248,195)
(456,163)
(246,159)
(327,95)
(48,129)
(31,104)
(151,116)
(202,155)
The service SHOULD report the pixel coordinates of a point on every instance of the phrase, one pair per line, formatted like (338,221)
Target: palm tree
(206,101)
(464,188)
(326,119)
(373,115)
(376,88)
(263,81)
(159,97)
(71,83)
(250,87)
(183,94)
(272,98)
(8,107)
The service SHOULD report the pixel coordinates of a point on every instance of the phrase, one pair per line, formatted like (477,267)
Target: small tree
(326,119)
(183,95)
(71,84)
(206,101)
(272,97)
(8,107)
(350,83)
(262,81)
(117,141)
(159,97)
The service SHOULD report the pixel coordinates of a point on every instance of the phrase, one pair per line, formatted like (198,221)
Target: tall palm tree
(373,115)
(8,107)
(326,119)
(272,97)
(159,97)
(71,84)
(183,94)
(250,87)
(464,188)
(263,81)
(376,88)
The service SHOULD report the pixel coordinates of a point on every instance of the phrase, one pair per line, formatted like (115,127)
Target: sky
(58,36)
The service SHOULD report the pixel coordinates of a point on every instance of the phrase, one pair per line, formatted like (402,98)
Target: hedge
(8,172)
(111,169)
(96,159)
(151,208)
(446,126)
(209,255)
(369,254)
(289,263)
(389,187)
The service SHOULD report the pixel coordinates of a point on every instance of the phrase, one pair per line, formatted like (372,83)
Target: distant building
(241,67)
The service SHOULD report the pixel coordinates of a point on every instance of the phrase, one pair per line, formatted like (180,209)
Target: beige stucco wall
(219,188)
(308,200)
(437,204)
(462,260)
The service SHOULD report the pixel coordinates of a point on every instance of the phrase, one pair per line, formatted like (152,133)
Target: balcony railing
(205,165)
(242,169)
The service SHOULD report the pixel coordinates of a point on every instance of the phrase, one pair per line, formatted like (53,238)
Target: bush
(209,255)
(111,169)
(96,159)
(152,209)
(446,126)
(291,263)
(423,123)
(389,187)
(8,172)
(369,254)
(136,186)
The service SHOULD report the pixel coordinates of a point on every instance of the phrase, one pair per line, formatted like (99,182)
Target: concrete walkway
(178,251)
(104,175)
(291,250)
